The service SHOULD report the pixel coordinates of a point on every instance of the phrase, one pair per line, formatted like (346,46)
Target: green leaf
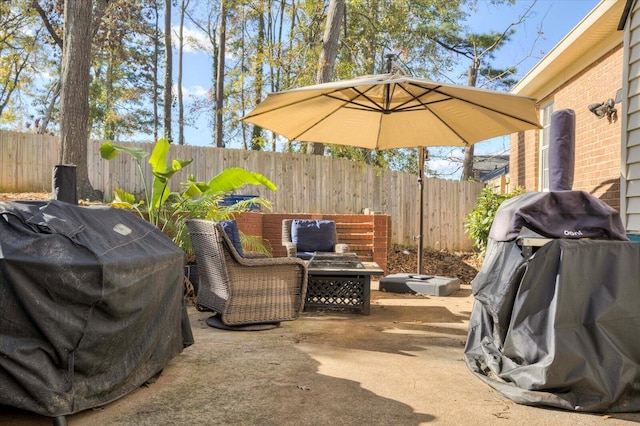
(122,196)
(176,166)
(160,192)
(162,175)
(109,151)
(195,189)
(158,159)
(234,178)
(180,163)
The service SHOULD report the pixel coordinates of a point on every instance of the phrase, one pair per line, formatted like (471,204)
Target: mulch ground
(13,196)
(460,264)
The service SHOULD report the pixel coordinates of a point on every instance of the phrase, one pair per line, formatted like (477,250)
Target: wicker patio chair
(245,291)
(306,251)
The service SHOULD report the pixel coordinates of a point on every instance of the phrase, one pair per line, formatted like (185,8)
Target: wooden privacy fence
(306,183)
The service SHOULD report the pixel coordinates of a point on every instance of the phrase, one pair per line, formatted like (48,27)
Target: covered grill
(556,313)
(91,305)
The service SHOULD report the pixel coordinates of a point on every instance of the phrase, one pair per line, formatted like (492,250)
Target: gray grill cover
(91,305)
(560,328)
(562,135)
(558,214)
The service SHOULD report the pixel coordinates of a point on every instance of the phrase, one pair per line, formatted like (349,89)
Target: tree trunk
(328,55)
(256,134)
(330,41)
(109,127)
(467,166)
(183,7)
(220,74)
(156,63)
(243,65)
(74,88)
(168,70)
(280,43)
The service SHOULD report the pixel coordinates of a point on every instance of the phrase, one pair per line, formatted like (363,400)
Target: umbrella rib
(360,93)
(352,102)
(415,98)
(504,113)
(344,102)
(466,142)
(449,97)
(268,111)
(426,107)
(302,132)
(327,115)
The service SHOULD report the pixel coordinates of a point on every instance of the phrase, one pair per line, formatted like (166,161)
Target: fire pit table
(340,281)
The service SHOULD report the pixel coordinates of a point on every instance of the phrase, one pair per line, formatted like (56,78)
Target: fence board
(306,184)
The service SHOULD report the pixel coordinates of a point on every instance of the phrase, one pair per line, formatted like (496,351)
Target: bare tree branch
(45,19)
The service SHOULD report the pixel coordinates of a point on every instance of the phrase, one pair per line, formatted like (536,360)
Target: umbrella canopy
(393,111)
(388,111)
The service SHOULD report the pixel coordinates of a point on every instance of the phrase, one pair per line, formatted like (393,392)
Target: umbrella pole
(421,209)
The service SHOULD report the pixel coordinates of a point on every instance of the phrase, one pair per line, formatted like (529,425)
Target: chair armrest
(291,249)
(342,248)
(272,261)
(255,255)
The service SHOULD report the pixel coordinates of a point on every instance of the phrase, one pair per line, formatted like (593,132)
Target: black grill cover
(559,328)
(91,305)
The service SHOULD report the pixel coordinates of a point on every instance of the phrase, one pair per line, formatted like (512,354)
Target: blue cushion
(313,235)
(231,228)
(305,255)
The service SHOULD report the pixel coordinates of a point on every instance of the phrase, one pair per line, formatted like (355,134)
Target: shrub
(478,222)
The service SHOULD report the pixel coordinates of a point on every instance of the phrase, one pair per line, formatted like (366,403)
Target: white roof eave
(595,35)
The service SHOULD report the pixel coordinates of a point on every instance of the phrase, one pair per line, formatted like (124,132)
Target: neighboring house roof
(595,35)
(504,170)
(487,167)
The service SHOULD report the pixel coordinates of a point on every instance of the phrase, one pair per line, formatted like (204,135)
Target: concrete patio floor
(401,365)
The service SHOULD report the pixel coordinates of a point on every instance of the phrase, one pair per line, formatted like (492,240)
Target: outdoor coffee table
(340,281)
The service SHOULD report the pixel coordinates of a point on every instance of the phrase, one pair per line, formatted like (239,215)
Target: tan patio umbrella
(388,111)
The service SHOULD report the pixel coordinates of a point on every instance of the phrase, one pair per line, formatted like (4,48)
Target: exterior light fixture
(605,109)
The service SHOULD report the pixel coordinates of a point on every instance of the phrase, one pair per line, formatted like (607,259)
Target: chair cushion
(313,235)
(231,228)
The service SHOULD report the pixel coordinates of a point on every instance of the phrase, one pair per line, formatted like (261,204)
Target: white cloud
(195,41)
(192,92)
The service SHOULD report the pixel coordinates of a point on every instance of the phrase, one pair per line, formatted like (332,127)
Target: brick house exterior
(586,67)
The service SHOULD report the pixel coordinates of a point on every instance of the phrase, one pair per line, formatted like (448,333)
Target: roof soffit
(594,36)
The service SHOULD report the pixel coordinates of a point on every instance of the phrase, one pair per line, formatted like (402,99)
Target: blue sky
(548,23)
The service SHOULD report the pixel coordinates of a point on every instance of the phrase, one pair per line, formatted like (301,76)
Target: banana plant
(170,210)
(162,172)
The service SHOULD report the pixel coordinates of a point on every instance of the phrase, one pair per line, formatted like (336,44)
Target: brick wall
(367,235)
(523,160)
(597,142)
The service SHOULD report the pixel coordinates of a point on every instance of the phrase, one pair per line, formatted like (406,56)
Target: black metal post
(421,209)
(64,183)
